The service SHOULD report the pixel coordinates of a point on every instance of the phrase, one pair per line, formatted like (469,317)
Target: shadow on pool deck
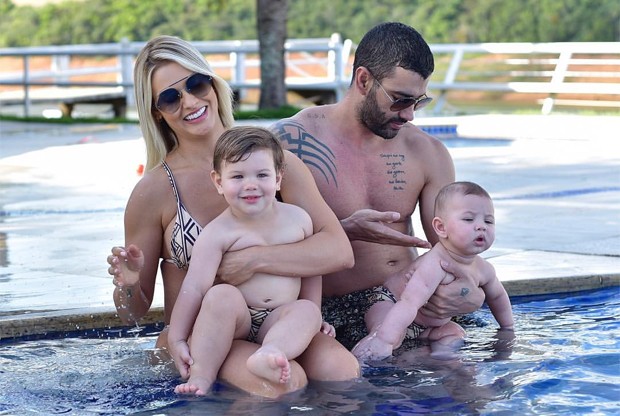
(556,187)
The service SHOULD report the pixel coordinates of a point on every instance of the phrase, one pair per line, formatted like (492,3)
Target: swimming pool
(564,360)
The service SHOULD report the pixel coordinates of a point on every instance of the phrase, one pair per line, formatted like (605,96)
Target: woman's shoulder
(153,184)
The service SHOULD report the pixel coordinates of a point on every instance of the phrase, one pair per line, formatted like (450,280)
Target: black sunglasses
(199,85)
(401,103)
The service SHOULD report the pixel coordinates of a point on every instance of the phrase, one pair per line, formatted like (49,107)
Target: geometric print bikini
(185,231)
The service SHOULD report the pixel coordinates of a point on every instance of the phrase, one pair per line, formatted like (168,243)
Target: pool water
(565,359)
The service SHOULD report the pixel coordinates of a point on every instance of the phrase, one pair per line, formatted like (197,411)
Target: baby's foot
(271,364)
(197,386)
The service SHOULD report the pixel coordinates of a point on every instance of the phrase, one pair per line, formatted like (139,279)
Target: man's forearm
(318,254)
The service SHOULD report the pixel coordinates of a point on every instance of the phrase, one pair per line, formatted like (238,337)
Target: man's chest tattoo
(395,170)
(309,149)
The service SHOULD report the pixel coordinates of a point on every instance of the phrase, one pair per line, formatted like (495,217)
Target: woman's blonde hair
(159,137)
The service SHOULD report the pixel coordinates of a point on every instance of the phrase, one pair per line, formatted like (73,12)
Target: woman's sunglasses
(199,85)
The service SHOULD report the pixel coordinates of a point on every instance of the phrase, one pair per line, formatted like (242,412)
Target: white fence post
(59,66)
(335,64)
(558,77)
(126,72)
(451,74)
(238,72)
(27,85)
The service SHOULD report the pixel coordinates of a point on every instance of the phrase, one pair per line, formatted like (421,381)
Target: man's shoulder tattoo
(308,148)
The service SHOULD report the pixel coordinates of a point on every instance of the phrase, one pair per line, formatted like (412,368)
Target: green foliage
(270,114)
(6,6)
(446,21)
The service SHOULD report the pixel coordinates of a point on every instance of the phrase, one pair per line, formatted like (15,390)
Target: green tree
(448,21)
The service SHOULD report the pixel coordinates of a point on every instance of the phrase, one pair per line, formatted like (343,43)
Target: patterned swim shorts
(346,314)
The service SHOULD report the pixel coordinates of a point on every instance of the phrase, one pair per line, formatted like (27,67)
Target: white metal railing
(573,69)
(583,73)
(326,58)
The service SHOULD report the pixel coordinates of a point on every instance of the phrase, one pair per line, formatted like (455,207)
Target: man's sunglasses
(406,102)
(199,85)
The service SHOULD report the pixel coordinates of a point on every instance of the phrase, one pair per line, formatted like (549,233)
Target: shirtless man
(373,167)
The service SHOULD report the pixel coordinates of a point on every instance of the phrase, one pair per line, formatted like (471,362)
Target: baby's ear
(278,180)
(439,227)
(217,181)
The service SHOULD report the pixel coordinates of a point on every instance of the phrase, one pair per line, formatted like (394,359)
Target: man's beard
(370,115)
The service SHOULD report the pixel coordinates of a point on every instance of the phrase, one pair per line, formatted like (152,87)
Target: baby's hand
(328,329)
(182,358)
(372,347)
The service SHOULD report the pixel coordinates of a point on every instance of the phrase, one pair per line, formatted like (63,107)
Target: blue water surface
(564,360)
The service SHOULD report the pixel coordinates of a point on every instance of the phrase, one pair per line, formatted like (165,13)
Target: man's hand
(461,296)
(369,225)
(236,267)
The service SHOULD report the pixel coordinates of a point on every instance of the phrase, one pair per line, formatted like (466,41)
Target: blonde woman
(184,107)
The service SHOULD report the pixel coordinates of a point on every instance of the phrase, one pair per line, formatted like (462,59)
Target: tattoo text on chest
(395,163)
(464,291)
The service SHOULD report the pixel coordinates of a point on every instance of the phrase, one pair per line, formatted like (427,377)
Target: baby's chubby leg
(223,317)
(284,335)
(445,340)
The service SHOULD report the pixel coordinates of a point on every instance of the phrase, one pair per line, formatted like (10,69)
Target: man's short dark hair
(392,44)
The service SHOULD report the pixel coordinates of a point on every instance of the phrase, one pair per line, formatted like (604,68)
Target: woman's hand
(370,225)
(125,265)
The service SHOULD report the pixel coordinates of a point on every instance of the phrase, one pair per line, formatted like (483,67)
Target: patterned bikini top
(185,230)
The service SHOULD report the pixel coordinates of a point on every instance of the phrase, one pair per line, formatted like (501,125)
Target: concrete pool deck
(555,181)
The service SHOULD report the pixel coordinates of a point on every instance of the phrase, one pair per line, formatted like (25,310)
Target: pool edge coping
(42,323)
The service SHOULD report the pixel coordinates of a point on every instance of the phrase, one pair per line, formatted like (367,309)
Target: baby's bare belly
(374,263)
(269,291)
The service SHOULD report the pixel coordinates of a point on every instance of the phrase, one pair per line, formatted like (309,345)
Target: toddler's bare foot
(271,364)
(197,386)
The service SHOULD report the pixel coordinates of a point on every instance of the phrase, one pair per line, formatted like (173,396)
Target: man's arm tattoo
(308,148)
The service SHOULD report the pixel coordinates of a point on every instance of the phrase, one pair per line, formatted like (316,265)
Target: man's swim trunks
(346,314)
(258,316)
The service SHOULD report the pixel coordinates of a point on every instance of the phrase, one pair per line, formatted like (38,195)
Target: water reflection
(564,360)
